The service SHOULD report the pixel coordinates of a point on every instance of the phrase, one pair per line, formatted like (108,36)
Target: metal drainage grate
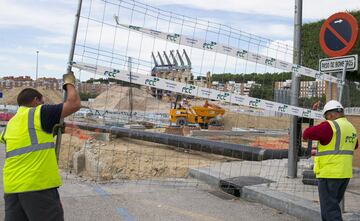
(222,195)
(234,185)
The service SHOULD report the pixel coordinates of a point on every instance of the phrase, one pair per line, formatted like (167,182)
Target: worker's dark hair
(27,95)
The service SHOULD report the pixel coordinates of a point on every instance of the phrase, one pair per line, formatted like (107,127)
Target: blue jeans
(331,192)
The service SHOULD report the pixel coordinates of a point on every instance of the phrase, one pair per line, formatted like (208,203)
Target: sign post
(342,84)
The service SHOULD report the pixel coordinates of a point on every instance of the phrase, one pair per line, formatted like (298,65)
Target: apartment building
(307,88)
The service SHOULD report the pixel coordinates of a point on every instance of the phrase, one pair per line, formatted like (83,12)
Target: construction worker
(184,103)
(337,140)
(206,104)
(30,173)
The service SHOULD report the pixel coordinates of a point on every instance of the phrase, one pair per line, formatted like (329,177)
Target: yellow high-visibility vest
(334,160)
(30,163)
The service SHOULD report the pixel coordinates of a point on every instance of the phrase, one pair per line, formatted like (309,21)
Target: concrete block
(94,167)
(79,161)
(102,136)
(186,130)
(135,126)
(210,127)
(91,163)
(174,130)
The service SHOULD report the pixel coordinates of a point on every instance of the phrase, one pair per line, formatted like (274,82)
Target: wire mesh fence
(250,138)
(137,129)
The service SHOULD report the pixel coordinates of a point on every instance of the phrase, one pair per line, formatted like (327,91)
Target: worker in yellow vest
(30,173)
(337,140)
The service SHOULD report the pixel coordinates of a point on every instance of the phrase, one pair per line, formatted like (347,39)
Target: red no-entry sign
(338,34)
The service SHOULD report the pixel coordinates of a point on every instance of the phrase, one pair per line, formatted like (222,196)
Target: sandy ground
(134,159)
(248,121)
(50,96)
(117,98)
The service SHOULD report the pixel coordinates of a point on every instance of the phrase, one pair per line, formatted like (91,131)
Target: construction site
(167,113)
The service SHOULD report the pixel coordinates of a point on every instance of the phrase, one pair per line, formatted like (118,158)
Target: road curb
(295,206)
(300,208)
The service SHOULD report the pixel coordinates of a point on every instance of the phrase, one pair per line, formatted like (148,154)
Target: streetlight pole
(37,67)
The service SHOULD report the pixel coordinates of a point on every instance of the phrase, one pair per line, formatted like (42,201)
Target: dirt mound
(126,158)
(117,98)
(232,119)
(50,96)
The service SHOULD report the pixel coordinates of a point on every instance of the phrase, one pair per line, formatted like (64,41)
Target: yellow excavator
(184,114)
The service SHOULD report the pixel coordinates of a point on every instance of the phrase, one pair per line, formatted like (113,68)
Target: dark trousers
(331,192)
(34,206)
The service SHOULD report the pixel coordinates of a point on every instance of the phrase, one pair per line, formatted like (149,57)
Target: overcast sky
(46,26)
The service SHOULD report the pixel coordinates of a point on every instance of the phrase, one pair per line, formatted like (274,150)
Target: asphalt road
(180,200)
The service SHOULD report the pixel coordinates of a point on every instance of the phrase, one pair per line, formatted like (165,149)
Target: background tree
(262,91)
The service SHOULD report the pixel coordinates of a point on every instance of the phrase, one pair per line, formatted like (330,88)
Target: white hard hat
(332,105)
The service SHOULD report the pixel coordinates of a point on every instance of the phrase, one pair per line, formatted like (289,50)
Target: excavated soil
(50,96)
(134,159)
(258,122)
(117,98)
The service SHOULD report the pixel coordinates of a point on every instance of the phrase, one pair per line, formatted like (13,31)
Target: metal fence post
(70,60)
(293,143)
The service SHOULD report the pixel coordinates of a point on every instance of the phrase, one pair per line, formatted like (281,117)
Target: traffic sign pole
(330,90)
(340,99)
(342,84)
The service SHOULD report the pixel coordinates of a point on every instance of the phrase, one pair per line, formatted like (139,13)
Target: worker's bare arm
(72,102)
